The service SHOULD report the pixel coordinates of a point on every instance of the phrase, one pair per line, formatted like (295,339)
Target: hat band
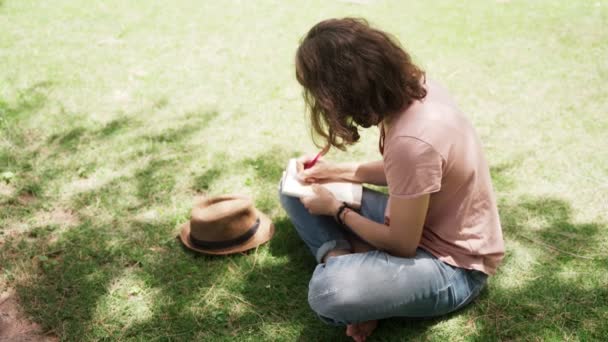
(226,243)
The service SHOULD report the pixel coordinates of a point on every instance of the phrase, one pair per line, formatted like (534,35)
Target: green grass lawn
(115,114)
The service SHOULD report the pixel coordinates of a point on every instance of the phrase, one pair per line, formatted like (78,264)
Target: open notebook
(343,191)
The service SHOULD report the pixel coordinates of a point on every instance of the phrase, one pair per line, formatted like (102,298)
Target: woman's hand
(322,202)
(322,171)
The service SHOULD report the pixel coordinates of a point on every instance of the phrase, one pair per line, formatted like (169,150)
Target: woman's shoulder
(438,93)
(435,121)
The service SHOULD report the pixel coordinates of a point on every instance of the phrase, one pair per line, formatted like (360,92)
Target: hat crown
(222,218)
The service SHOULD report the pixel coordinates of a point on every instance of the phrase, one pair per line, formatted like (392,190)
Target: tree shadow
(29,100)
(115,126)
(268,169)
(263,293)
(204,181)
(287,243)
(70,139)
(71,273)
(565,282)
(64,275)
(156,180)
(500,313)
(15,157)
(226,297)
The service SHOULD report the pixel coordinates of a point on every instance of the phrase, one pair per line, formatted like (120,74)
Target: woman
(428,247)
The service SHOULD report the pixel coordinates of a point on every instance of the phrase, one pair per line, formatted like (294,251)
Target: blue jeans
(360,287)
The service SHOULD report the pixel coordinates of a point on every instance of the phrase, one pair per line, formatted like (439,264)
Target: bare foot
(361,331)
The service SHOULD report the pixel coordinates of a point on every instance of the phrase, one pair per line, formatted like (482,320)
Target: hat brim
(263,234)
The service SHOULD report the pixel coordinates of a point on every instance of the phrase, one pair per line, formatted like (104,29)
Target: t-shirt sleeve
(412,168)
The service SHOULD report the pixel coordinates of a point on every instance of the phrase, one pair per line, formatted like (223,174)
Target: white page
(343,191)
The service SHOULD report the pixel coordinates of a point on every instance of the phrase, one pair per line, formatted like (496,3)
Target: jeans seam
(449,280)
(327,246)
(474,292)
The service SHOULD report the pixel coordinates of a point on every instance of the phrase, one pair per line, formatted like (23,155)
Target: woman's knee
(335,297)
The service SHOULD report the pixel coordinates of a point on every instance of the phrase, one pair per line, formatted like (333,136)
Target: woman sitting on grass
(427,248)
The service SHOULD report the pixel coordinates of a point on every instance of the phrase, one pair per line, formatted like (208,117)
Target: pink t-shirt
(432,148)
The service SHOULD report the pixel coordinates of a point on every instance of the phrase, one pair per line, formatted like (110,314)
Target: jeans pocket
(445,300)
(472,284)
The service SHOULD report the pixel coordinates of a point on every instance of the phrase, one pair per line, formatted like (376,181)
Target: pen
(312,163)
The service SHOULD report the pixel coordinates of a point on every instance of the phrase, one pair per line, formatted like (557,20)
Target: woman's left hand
(322,202)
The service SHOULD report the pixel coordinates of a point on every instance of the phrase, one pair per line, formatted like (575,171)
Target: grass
(115,115)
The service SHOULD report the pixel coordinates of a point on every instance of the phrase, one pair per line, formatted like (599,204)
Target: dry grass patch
(6,190)
(13,324)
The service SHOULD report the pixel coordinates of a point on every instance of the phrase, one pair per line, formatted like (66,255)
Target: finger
(303,160)
(303,175)
(310,172)
(310,180)
(320,190)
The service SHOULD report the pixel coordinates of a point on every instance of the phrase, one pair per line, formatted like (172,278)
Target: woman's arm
(370,172)
(402,236)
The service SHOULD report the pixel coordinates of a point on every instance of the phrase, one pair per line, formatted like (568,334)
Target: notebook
(343,191)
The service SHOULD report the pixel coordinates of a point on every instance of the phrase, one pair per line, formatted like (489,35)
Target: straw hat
(225,225)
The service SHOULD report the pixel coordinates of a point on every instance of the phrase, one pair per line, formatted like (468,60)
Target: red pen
(312,163)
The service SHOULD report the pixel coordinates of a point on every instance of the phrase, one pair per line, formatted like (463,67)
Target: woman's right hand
(322,171)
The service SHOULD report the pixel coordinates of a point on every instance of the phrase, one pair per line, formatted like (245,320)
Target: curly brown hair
(354,75)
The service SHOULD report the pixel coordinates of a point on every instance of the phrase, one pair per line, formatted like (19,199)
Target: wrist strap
(339,213)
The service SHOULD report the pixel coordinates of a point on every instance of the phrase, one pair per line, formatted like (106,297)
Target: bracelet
(339,213)
(343,216)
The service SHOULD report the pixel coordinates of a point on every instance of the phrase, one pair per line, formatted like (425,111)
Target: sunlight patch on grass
(100,178)
(518,268)
(455,328)
(127,302)
(12,228)
(232,181)
(274,331)
(51,224)
(56,216)
(147,216)
(576,274)
(568,275)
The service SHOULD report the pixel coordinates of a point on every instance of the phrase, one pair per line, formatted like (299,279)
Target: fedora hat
(225,225)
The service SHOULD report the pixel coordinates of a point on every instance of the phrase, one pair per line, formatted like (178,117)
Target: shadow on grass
(204,181)
(268,169)
(565,295)
(13,158)
(262,294)
(66,279)
(272,295)
(28,102)
(156,180)
(64,276)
